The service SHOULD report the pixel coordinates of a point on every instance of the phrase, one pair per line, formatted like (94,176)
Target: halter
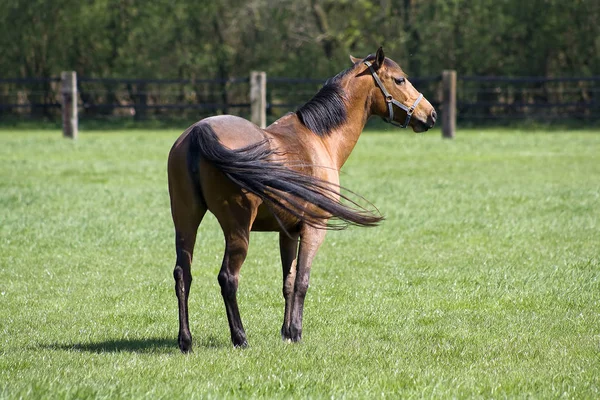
(391,101)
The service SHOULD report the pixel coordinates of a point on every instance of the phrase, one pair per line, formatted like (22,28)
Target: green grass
(484,280)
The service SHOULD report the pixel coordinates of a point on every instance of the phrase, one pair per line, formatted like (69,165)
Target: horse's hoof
(238,338)
(295,334)
(185,348)
(185,344)
(291,338)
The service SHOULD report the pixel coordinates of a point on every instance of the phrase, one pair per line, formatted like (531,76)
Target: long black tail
(253,169)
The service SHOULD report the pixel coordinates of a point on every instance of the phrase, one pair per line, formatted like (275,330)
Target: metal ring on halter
(389,99)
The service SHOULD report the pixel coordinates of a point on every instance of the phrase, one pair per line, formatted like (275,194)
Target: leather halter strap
(389,99)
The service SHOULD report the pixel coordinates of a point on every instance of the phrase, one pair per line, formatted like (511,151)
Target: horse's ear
(379,59)
(354,59)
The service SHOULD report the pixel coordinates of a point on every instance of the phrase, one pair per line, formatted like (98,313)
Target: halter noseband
(391,101)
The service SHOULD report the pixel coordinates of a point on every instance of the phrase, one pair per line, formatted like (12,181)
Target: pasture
(483,281)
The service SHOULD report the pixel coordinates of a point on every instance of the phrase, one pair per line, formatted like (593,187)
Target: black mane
(327,109)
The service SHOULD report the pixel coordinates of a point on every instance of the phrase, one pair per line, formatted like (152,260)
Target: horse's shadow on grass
(132,345)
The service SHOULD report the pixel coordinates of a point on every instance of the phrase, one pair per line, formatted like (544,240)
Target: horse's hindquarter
(293,146)
(227,201)
(235,132)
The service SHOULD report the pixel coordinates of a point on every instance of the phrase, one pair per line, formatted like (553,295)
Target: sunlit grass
(483,281)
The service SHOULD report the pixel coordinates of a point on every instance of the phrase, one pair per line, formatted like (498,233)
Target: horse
(284,178)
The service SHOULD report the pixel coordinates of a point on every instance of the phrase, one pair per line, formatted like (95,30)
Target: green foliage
(483,281)
(302,38)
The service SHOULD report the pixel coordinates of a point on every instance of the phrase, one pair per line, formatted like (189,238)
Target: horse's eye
(399,81)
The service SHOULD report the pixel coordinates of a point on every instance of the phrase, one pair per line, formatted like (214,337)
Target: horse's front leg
(310,241)
(288,246)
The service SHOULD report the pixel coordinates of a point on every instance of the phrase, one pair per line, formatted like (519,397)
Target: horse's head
(393,97)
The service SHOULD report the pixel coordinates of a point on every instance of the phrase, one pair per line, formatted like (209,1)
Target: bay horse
(284,178)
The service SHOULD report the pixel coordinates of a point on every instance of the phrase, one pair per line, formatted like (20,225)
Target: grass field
(484,280)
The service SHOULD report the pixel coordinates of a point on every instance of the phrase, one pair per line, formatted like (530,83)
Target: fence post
(448,103)
(258,98)
(69,104)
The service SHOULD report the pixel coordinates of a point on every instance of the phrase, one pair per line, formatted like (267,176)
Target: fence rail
(493,98)
(477,99)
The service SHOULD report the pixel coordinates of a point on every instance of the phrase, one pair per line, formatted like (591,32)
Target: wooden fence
(458,99)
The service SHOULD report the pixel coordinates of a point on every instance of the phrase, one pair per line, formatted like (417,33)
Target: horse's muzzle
(425,125)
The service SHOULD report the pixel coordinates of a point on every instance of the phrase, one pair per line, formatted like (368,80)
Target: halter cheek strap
(389,99)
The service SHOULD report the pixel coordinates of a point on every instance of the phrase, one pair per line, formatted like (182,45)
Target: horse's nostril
(431,119)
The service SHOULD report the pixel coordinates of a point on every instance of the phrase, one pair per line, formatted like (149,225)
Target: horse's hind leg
(236,219)
(187,214)
(184,246)
(236,249)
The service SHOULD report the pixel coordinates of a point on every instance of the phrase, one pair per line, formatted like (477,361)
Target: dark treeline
(197,39)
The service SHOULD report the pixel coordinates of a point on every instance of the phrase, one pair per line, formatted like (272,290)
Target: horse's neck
(341,141)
